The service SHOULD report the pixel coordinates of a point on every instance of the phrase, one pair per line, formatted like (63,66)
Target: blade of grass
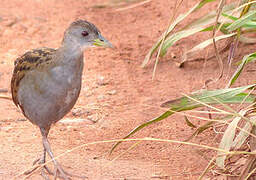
(207,168)
(246,59)
(210,122)
(134,5)
(227,139)
(207,43)
(6,97)
(241,21)
(139,139)
(220,7)
(200,129)
(226,96)
(243,135)
(249,23)
(179,19)
(165,35)
(211,17)
(176,37)
(189,123)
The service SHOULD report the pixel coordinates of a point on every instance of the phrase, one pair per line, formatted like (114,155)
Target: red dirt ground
(116,92)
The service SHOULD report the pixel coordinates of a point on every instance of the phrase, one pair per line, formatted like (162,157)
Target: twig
(5,97)
(164,36)
(133,6)
(222,2)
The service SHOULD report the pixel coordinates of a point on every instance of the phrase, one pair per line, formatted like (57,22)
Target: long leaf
(244,134)
(211,17)
(248,23)
(227,139)
(180,18)
(246,59)
(200,22)
(207,43)
(242,21)
(194,27)
(177,36)
(225,96)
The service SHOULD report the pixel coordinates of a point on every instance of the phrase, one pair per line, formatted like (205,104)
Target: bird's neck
(70,53)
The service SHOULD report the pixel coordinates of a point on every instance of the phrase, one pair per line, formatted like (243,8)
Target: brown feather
(31,60)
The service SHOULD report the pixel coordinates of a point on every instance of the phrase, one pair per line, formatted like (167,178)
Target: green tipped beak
(101,41)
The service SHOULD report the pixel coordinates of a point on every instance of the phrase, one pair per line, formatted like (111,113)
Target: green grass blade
(211,17)
(161,117)
(200,129)
(227,139)
(193,28)
(229,16)
(226,96)
(201,22)
(222,28)
(248,58)
(180,18)
(243,135)
(189,123)
(248,23)
(202,3)
(242,21)
(207,43)
(177,36)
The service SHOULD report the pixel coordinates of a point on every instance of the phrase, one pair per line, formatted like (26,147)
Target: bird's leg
(40,161)
(57,167)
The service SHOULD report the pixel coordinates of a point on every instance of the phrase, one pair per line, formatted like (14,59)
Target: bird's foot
(37,164)
(60,172)
(41,161)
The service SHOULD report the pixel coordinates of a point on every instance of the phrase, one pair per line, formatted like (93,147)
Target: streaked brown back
(27,62)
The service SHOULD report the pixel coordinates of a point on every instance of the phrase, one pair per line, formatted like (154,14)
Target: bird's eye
(85,33)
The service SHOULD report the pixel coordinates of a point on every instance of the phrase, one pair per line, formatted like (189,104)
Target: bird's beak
(101,41)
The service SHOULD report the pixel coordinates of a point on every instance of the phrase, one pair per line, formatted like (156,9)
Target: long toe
(44,174)
(60,172)
(37,164)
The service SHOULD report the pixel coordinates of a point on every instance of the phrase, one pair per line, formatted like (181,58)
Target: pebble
(21,119)
(80,112)
(76,120)
(112,92)
(93,118)
(101,81)
(6,128)
(101,97)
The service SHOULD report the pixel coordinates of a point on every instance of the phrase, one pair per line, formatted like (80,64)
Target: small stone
(77,120)
(21,119)
(80,112)
(112,92)
(93,118)
(101,81)
(101,97)
(6,128)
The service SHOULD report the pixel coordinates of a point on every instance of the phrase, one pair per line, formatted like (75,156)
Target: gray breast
(47,97)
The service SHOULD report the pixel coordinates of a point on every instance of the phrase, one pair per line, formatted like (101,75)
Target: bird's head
(85,34)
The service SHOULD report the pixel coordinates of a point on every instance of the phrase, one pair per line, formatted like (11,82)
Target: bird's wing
(29,61)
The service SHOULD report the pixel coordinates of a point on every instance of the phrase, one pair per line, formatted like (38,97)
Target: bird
(46,83)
